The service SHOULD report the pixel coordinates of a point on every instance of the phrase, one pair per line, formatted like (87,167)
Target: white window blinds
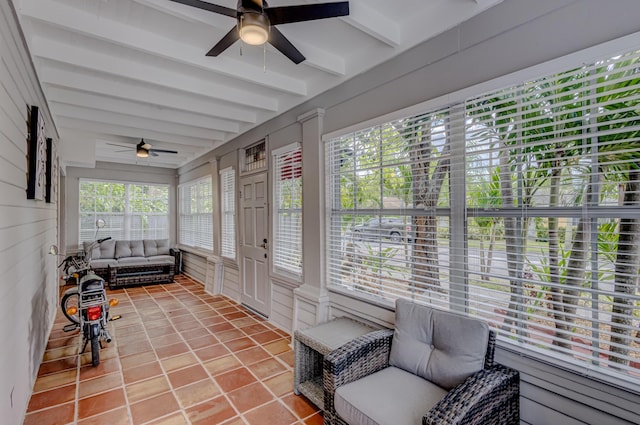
(287,246)
(228,206)
(196,214)
(130,210)
(521,206)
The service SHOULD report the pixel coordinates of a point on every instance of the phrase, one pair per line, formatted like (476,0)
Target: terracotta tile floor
(178,356)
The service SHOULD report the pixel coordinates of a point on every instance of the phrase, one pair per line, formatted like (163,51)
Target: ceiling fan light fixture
(254,29)
(142,152)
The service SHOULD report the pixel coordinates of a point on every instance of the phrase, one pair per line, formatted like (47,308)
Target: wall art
(51,187)
(36,156)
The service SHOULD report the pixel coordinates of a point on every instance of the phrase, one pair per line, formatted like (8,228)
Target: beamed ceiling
(117,71)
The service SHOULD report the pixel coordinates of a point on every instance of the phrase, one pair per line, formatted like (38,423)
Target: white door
(255,285)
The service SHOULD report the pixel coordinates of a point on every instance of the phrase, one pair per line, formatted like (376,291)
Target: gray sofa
(133,262)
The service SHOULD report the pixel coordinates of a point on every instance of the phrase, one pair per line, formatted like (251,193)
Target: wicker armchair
(488,396)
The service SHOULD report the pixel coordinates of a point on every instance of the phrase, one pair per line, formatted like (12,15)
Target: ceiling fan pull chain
(241,42)
(264,58)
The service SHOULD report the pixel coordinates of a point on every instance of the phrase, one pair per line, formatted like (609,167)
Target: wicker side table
(310,347)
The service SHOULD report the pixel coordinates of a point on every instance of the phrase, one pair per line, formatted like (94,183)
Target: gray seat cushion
(439,346)
(128,261)
(162,259)
(391,396)
(103,263)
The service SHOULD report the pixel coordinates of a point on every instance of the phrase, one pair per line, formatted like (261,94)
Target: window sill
(197,251)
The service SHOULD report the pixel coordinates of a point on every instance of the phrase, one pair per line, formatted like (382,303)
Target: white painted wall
(28,289)
(515,35)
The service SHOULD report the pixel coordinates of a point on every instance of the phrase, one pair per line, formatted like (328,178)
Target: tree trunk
(626,275)
(575,275)
(426,192)
(554,259)
(511,239)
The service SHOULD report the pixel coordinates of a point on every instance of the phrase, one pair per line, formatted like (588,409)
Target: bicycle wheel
(71,299)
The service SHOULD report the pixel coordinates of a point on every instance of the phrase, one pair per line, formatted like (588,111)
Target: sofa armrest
(356,359)
(177,255)
(488,396)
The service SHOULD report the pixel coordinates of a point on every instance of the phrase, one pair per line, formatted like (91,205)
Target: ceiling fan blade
(152,153)
(209,7)
(222,45)
(280,42)
(161,150)
(120,146)
(306,12)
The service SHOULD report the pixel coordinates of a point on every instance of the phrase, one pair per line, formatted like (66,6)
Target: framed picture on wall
(51,187)
(36,156)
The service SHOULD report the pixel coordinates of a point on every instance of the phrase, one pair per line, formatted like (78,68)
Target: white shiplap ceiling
(116,71)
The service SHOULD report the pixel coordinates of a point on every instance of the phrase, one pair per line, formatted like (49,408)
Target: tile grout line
(190,296)
(258,379)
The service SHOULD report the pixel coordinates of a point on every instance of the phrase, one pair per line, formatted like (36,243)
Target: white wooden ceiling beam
(189,14)
(78,81)
(373,23)
(87,24)
(78,112)
(442,16)
(57,95)
(138,133)
(139,71)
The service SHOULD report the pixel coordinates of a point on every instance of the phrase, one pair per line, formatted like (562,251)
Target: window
(532,224)
(287,247)
(196,214)
(130,210)
(228,183)
(254,158)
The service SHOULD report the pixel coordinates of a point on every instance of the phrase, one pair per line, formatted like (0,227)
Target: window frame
(281,256)
(127,231)
(228,242)
(201,215)
(458,242)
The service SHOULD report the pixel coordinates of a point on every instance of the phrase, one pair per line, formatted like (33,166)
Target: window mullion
(459,279)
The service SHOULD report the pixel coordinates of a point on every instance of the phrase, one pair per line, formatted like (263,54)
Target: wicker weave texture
(490,396)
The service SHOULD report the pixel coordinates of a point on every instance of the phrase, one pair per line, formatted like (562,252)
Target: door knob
(264,243)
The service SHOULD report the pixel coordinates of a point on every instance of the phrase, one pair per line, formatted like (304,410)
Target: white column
(311,300)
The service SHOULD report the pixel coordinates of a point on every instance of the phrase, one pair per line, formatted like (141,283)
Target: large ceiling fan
(144,150)
(256,22)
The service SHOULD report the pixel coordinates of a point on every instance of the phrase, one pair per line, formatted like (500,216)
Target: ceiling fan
(256,22)
(143,149)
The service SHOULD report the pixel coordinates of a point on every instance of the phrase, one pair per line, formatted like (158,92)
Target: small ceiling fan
(256,22)
(144,150)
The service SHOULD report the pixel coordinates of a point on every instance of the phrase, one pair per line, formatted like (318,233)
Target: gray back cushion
(163,246)
(153,247)
(150,247)
(137,248)
(106,249)
(123,249)
(441,347)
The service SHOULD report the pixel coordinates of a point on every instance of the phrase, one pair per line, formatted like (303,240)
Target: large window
(130,210)
(228,237)
(521,206)
(287,248)
(196,214)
